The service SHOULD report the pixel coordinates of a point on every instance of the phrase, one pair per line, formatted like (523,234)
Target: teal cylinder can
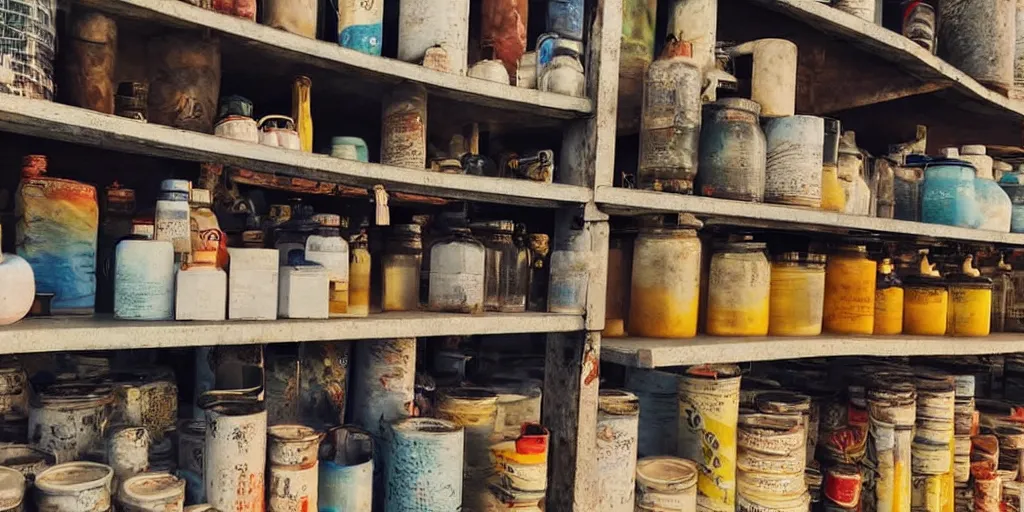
(360,25)
(947,193)
(424,466)
(346,471)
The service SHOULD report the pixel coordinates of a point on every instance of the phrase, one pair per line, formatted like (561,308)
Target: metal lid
(495,226)
(73,478)
(739,104)
(666,474)
(201,196)
(147,487)
(175,186)
(329,220)
(801,257)
(618,402)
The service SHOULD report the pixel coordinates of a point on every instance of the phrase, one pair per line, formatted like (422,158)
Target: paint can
(360,26)
(793,165)
(666,484)
(425,24)
(517,405)
(346,471)
(161,454)
(658,394)
(919,23)
(293,466)
(127,452)
(235,451)
(708,416)
(28,460)
(74,486)
(617,432)
(773,79)
(977,38)
(383,383)
(843,483)
(475,410)
(152,492)
(522,466)
(12,490)
(68,420)
(424,466)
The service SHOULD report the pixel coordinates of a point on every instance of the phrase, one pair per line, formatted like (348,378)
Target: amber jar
(888,300)
(402,261)
(797,294)
(620,268)
(925,305)
(849,306)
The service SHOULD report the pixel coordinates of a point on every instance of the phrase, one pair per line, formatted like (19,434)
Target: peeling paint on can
(424,467)
(978,37)
(128,452)
(346,471)
(323,382)
(658,395)
(424,24)
(293,466)
(383,383)
(74,487)
(235,452)
(152,492)
(617,432)
(793,166)
(475,410)
(68,420)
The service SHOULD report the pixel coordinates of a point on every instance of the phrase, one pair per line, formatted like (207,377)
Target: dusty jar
(501,266)
(74,486)
(797,294)
(925,305)
(888,300)
(738,290)
(404,127)
(68,420)
(832,196)
(327,247)
(665,286)
(849,306)
(732,151)
(970,306)
(457,273)
(402,262)
(152,492)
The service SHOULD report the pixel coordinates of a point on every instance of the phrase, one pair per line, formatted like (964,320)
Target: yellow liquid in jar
(924,310)
(339,298)
(889,311)
(833,198)
(401,283)
(738,295)
(796,297)
(849,295)
(659,313)
(359,283)
(970,311)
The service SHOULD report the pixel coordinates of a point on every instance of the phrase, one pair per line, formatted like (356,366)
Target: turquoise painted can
(360,25)
(994,205)
(350,148)
(947,193)
(346,471)
(565,17)
(1013,184)
(424,466)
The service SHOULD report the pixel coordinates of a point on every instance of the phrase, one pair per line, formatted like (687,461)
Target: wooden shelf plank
(620,201)
(104,333)
(888,45)
(330,56)
(54,121)
(658,353)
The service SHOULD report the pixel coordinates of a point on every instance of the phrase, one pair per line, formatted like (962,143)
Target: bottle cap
(175,186)
(328,220)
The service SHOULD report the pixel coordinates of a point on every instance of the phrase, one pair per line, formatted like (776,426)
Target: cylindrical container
(402,262)
(620,270)
(89,58)
(172,220)
(738,290)
(849,291)
(711,393)
(1013,184)
(33,32)
(68,420)
(12,490)
(293,467)
(237,127)
(888,300)
(346,471)
(732,151)
(670,122)
(295,16)
(500,266)
(853,177)
(475,411)
(570,272)
(565,18)
(128,452)
(978,38)
(359,274)
(74,486)
(404,127)
(350,148)
(695,21)
(184,81)
(993,202)
(144,280)
(617,431)
(843,484)
(383,382)
(131,100)
(235,452)
(794,157)
(832,196)
(152,492)
(665,286)
(948,195)
(658,396)
(327,247)
(456,272)
(925,305)
(425,24)
(424,467)
(301,90)
(773,74)
(539,245)
(636,51)
(360,25)
(797,293)
(970,306)
(667,484)
(503,32)
(521,465)
(919,23)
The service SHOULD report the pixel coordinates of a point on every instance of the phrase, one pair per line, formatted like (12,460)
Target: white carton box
(252,284)
(304,292)
(202,294)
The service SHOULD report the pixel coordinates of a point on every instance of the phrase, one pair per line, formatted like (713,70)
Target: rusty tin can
(293,466)
(74,487)
(68,420)
(235,452)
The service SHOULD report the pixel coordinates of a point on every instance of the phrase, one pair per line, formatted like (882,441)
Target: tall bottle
(832,196)
(849,306)
(56,233)
(301,112)
(171,220)
(359,275)
(327,247)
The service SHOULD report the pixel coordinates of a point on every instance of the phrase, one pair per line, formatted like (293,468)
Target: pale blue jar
(350,148)
(1013,184)
(948,193)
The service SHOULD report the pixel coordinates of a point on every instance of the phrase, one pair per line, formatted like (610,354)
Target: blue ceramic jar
(947,192)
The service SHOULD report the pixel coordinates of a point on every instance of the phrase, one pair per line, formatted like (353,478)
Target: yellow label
(708,413)
(889,311)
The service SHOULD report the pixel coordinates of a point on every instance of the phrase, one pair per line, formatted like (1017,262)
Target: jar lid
(146,487)
(972,149)
(714,371)
(966,281)
(201,196)
(495,226)
(801,257)
(329,220)
(406,230)
(745,244)
(618,402)
(739,104)
(666,473)
(175,186)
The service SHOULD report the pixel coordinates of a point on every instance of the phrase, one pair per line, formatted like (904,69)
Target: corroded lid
(618,402)
(739,104)
(73,478)
(973,149)
(665,473)
(149,487)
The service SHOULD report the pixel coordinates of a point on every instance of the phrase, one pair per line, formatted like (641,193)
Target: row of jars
(657,285)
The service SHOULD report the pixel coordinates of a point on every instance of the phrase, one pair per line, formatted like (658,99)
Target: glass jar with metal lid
(732,152)
(797,294)
(849,306)
(499,266)
(665,285)
(739,283)
(402,261)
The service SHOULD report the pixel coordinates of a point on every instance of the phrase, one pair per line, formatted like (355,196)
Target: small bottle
(832,196)
(301,112)
(540,249)
(456,271)
(327,247)
(359,275)
(402,260)
(499,265)
(888,300)
(172,216)
(204,230)
(1002,292)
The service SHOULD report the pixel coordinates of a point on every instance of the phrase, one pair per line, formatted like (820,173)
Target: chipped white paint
(201,294)
(294,468)
(423,24)
(152,492)
(69,420)
(617,430)
(235,453)
(128,452)
(252,284)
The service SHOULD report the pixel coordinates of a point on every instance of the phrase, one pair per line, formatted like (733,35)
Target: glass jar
(733,149)
(833,198)
(993,202)
(797,294)
(520,285)
(326,246)
(540,249)
(499,265)
(402,260)
(1013,184)
(947,193)
(359,275)
(739,283)
(664,291)
(970,303)
(888,300)
(883,178)
(849,306)
(404,127)
(457,271)
(570,273)
(851,176)
(172,216)
(620,269)
(1002,292)
(925,304)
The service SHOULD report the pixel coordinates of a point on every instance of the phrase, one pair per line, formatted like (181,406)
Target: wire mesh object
(28,43)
